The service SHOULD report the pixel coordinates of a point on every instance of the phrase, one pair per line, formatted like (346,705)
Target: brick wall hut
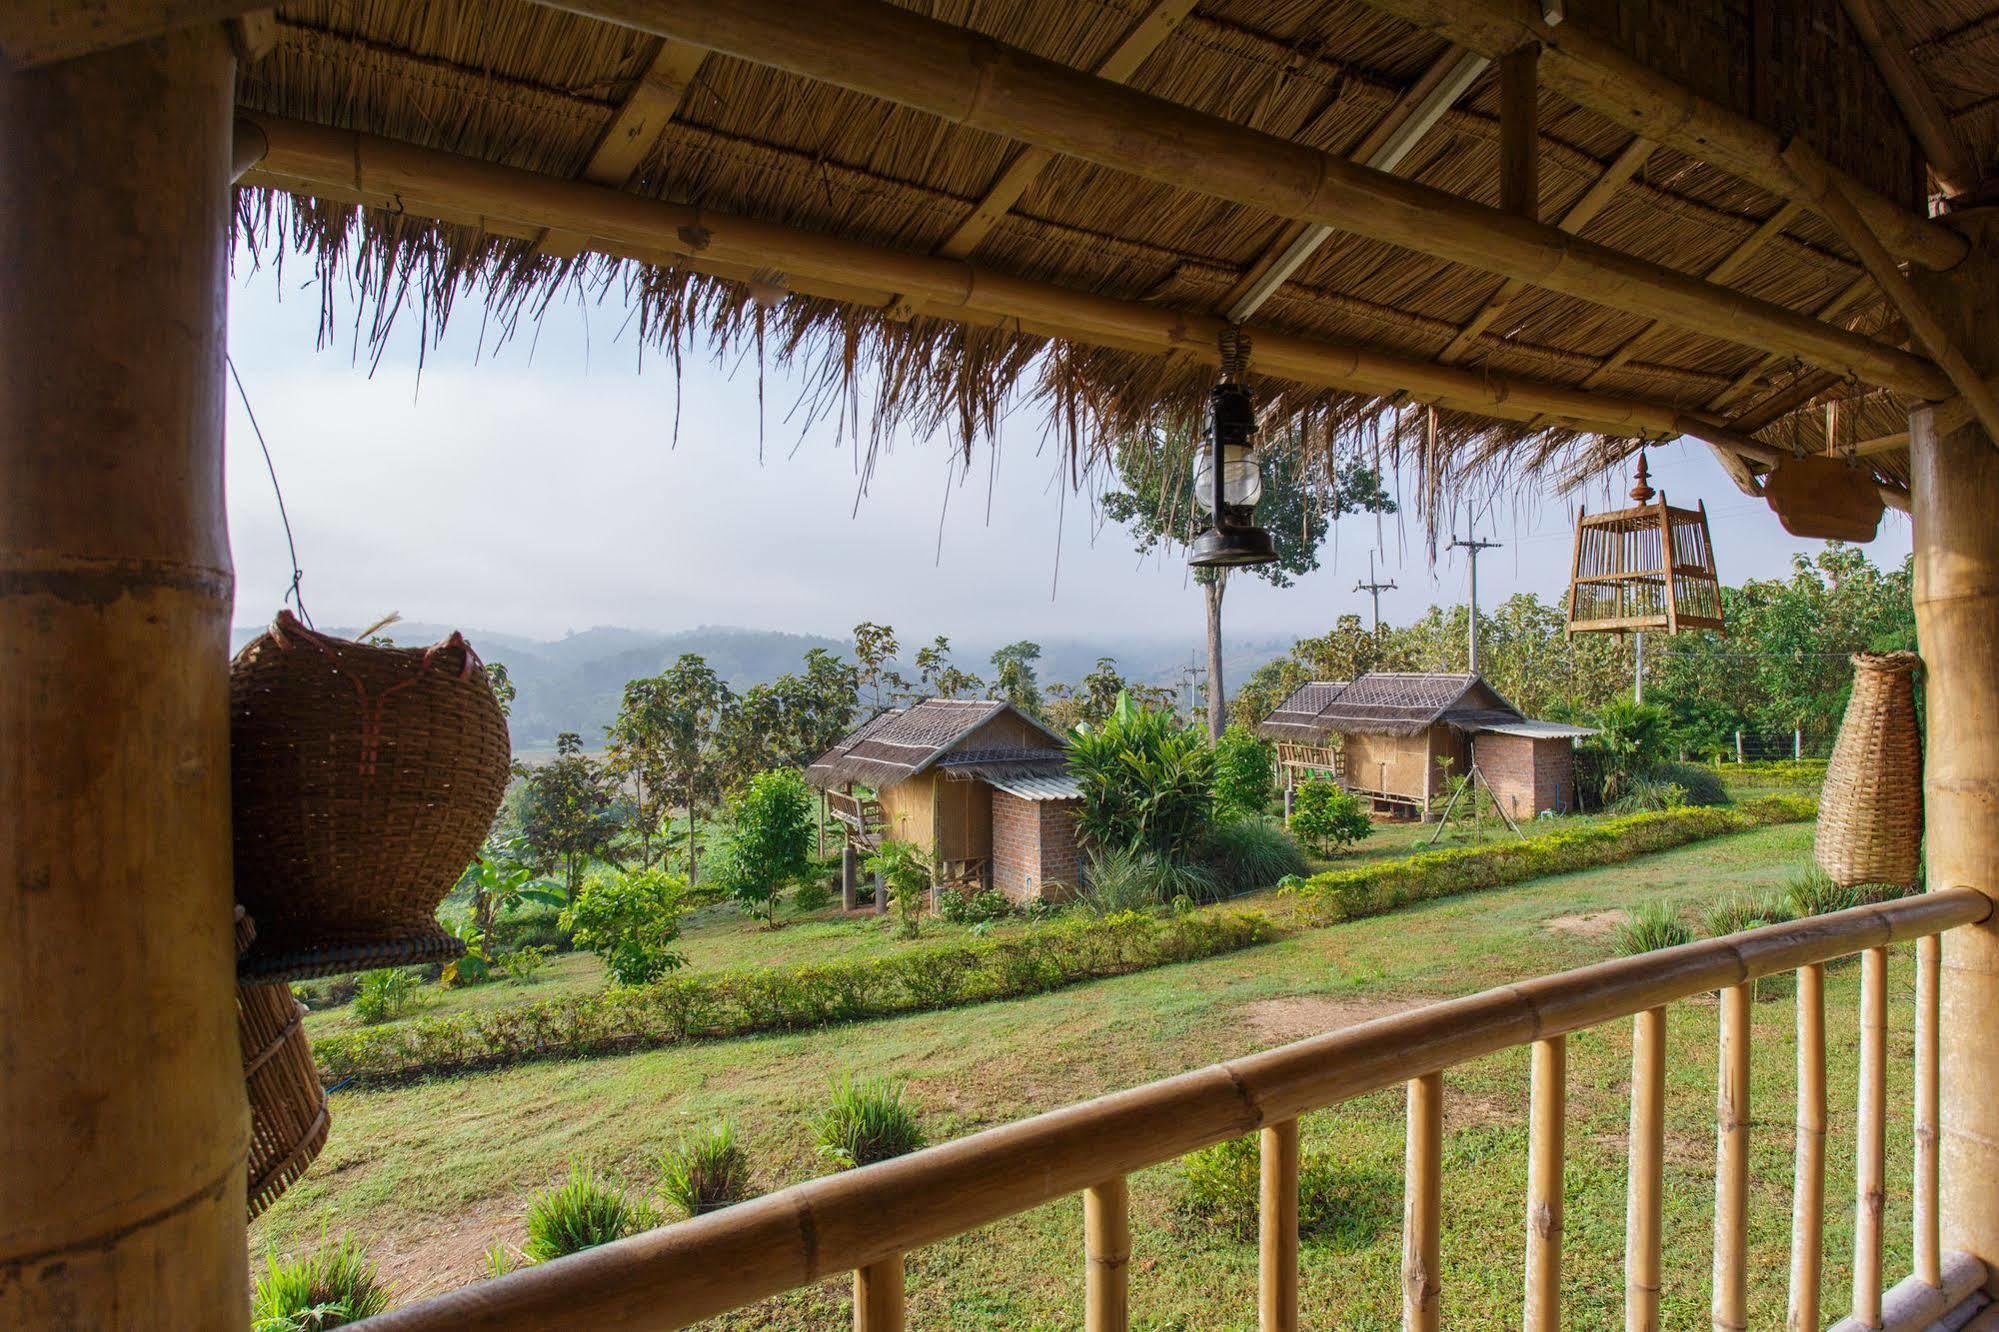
(1391,736)
(979,785)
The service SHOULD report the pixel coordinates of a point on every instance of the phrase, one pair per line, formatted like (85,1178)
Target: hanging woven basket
(1870,826)
(364,779)
(288,1116)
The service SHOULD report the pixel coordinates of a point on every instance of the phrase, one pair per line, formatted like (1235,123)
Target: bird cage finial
(1643,492)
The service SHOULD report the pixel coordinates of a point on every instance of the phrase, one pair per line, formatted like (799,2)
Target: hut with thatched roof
(1391,736)
(980,786)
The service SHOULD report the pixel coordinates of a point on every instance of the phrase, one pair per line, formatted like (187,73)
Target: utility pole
(1638,671)
(1374,590)
(1473,545)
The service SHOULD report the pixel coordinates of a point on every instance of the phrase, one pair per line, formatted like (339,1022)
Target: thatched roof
(1390,703)
(899,743)
(554,94)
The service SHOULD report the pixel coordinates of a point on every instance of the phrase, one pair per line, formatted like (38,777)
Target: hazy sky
(536,489)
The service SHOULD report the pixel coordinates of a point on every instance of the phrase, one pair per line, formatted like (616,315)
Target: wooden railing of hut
(860,815)
(867,1220)
(1326,759)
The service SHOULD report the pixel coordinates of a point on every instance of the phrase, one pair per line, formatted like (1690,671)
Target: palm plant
(1146,781)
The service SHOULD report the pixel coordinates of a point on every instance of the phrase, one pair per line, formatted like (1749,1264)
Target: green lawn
(429,1175)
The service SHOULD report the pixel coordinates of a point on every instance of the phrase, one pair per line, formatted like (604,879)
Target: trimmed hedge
(736,1003)
(1785,774)
(1370,890)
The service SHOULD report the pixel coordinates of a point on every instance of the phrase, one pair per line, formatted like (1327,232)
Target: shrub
(1124,880)
(523,965)
(1221,1187)
(331,1287)
(630,920)
(1630,741)
(811,895)
(1654,925)
(384,996)
(1741,911)
(584,1211)
(1245,777)
(1247,855)
(1145,781)
(972,908)
(1698,785)
(706,1171)
(1327,817)
(1645,795)
(770,843)
(902,867)
(866,1120)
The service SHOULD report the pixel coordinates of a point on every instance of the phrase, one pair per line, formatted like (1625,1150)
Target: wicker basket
(1871,813)
(364,780)
(288,1117)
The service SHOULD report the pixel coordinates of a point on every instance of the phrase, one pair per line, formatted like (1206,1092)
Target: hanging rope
(1234,346)
(293,595)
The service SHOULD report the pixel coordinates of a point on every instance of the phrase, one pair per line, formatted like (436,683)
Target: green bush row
(736,1003)
(1369,890)
(1788,774)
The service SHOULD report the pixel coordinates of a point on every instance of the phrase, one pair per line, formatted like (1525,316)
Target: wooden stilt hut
(1747,211)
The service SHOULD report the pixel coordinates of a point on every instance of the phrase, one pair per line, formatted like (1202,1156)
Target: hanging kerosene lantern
(1227,479)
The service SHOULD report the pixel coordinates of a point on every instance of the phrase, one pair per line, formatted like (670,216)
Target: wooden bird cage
(1649,568)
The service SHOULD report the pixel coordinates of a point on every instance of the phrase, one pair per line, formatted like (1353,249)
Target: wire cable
(293,595)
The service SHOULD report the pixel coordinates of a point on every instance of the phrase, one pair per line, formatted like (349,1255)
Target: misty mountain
(574,683)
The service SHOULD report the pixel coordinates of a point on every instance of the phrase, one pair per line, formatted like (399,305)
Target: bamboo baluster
(1644,1200)
(1546,1115)
(1928,1239)
(1808,1193)
(1423,1205)
(1871,1146)
(1107,1244)
(1731,1167)
(878,1296)
(1277,1229)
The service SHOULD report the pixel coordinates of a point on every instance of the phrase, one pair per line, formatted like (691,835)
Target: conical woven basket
(288,1115)
(364,780)
(1871,813)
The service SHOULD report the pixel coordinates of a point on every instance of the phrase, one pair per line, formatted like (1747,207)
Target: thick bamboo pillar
(122,1118)
(1277,1228)
(1107,1256)
(1955,492)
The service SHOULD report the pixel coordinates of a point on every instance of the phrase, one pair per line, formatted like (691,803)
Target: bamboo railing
(867,1220)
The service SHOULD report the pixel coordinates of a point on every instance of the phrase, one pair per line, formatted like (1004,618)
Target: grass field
(429,1175)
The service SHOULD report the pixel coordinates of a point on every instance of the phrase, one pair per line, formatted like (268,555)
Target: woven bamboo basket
(288,1115)
(364,780)
(1871,813)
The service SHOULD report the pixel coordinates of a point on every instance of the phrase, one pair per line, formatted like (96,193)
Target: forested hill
(574,683)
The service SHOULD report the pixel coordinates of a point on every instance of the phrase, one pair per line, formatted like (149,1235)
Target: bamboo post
(1546,1115)
(1423,1206)
(1871,1133)
(878,1296)
(1107,1247)
(1928,1246)
(1955,486)
(850,897)
(1520,132)
(1808,1188)
(1644,1200)
(1731,1166)
(1277,1228)
(123,1123)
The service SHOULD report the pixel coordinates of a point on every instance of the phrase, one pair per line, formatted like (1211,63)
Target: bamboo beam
(1839,210)
(1783,401)
(1423,1206)
(1579,215)
(1644,1202)
(1277,1228)
(1520,132)
(123,1124)
(1107,1249)
(1547,1113)
(1411,116)
(43,32)
(1808,1176)
(503,200)
(1139,41)
(1731,1166)
(1870,1187)
(1928,1245)
(1592,73)
(1889,45)
(878,1296)
(976,81)
(810,1231)
(1852,292)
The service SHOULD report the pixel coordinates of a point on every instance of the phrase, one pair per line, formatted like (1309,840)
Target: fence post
(850,897)
(1738,746)
(1797,743)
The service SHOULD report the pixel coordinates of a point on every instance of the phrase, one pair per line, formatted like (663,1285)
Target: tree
(1096,696)
(1014,676)
(788,722)
(875,647)
(638,755)
(631,920)
(503,686)
(770,842)
(692,701)
(1245,775)
(939,677)
(1157,505)
(1327,817)
(566,815)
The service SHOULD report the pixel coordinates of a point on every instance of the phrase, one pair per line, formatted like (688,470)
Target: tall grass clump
(1814,893)
(1741,911)
(582,1212)
(331,1287)
(866,1120)
(706,1171)
(1247,855)
(1123,879)
(1652,926)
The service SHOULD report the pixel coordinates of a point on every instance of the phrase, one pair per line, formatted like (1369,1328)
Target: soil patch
(1275,1021)
(1587,924)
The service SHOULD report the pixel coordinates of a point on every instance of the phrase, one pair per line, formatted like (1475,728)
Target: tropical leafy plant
(1245,775)
(385,995)
(866,1120)
(1327,817)
(1146,782)
(706,1170)
(523,965)
(904,868)
(770,845)
(1630,742)
(331,1287)
(630,920)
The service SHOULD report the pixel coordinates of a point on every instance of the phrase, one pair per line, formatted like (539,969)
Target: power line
(1374,590)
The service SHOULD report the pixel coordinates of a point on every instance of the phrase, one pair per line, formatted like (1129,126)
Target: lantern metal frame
(1233,539)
